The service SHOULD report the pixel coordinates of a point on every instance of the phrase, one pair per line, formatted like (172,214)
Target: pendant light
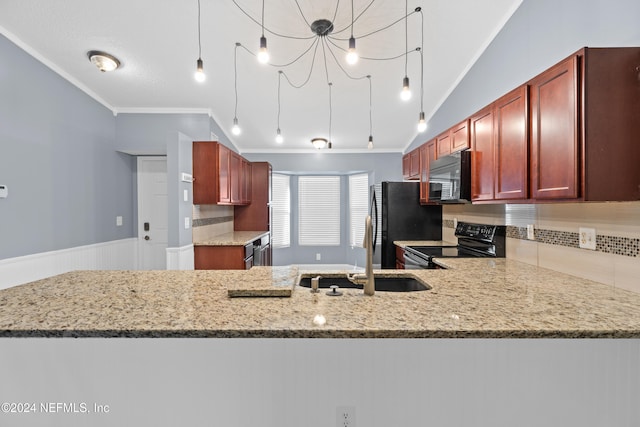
(236,128)
(199,74)
(352,55)
(405,95)
(279,137)
(370,144)
(422,124)
(263,53)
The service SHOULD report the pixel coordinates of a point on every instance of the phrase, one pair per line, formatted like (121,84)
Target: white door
(152,213)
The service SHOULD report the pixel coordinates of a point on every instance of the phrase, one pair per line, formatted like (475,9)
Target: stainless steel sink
(382,284)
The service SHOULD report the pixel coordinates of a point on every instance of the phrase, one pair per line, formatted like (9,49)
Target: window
(281,211)
(319,210)
(358,207)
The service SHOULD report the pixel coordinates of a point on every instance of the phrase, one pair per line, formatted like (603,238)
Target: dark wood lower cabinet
(221,257)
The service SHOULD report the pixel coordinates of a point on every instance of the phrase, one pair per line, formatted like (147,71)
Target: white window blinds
(319,210)
(281,211)
(358,207)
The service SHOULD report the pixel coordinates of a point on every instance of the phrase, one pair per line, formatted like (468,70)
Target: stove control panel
(476,231)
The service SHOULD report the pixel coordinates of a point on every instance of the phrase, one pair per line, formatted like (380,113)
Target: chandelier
(328,43)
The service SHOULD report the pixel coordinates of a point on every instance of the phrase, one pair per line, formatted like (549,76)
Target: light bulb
(422,124)
(199,75)
(279,138)
(406,92)
(352,55)
(263,54)
(235,129)
(370,144)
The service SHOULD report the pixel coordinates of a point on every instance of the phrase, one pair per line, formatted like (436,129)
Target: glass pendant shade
(352,55)
(263,54)
(199,75)
(422,124)
(406,91)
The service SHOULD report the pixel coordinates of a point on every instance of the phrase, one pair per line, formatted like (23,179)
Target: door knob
(146,237)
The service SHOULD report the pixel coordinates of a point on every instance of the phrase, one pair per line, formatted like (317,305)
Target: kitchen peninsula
(474,298)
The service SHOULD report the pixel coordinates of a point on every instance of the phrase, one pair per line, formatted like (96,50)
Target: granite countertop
(235,238)
(476,298)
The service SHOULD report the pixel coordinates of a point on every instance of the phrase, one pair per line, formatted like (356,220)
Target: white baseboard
(115,255)
(180,258)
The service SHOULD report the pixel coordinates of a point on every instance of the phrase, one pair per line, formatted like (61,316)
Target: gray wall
(381,167)
(66,182)
(538,35)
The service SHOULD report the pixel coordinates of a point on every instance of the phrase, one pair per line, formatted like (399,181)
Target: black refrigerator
(398,215)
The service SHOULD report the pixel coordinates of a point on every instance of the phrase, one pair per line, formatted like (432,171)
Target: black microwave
(450,178)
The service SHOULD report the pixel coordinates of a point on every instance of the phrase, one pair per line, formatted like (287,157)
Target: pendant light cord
(235,78)
(330,111)
(370,120)
(199,44)
(262,24)
(279,78)
(421,61)
(406,35)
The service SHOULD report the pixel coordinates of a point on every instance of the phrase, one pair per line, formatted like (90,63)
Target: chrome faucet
(367,279)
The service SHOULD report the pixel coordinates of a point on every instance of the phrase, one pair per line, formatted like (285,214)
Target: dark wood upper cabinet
(511,139)
(443,144)
(428,153)
(555,142)
(460,136)
(584,127)
(411,165)
(219,175)
(257,215)
(482,155)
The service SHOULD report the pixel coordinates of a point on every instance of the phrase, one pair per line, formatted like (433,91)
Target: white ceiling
(157,42)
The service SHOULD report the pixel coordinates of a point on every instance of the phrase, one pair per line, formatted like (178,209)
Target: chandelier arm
(302,14)
(341,67)
(315,42)
(374,59)
(354,20)
(267,29)
(308,76)
(374,31)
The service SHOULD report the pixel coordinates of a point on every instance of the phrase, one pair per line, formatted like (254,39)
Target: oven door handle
(414,262)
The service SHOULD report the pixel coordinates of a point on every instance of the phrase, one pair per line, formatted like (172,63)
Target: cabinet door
(406,166)
(414,161)
(460,136)
(224,175)
(205,172)
(427,155)
(554,105)
(443,144)
(235,172)
(245,178)
(482,161)
(511,145)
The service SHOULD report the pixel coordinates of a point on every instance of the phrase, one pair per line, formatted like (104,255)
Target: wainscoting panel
(114,255)
(180,258)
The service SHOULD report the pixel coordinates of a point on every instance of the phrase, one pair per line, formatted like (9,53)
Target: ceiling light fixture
(370,144)
(236,128)
(405,95)
(279,137)
(103,60)
(422,124)
(263,53)
(325,35)
(352,55)
(319,143)
(199,74)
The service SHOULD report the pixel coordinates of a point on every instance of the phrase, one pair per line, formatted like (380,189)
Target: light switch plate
(587,237)
(119,220)
(186,195)
(186,223)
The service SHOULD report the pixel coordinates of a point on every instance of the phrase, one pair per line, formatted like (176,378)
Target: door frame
(139,207)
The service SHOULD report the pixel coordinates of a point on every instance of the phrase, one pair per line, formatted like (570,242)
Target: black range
(474,240)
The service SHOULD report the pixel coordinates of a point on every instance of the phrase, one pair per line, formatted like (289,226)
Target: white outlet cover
(186,195)
(186,223)
(119,220)
(587,238)
(531,232)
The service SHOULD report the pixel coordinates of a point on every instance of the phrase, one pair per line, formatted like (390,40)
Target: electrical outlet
(119,221)
(455,222)
(186,222)
(346,416)
(318,257)
(587,238)
(531,232)
(185,195)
